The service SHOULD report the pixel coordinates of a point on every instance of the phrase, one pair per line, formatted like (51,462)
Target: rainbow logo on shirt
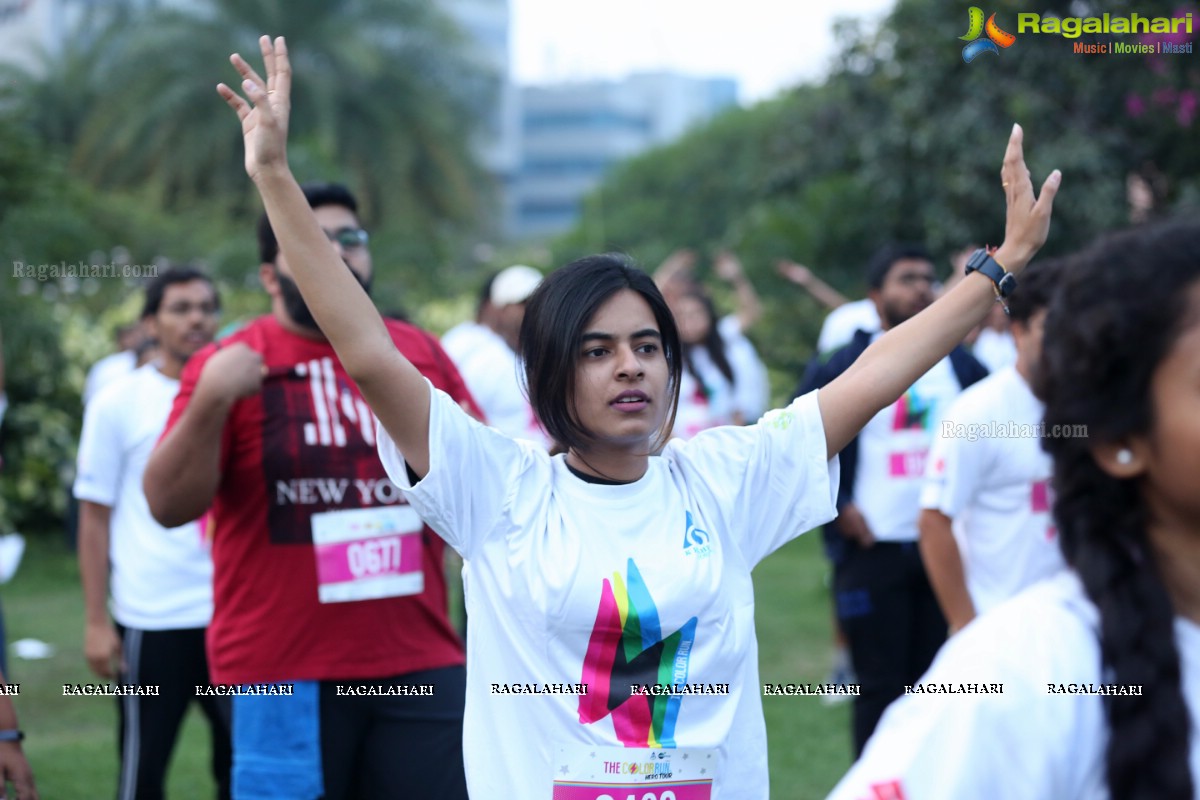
(627,648)
(912,412)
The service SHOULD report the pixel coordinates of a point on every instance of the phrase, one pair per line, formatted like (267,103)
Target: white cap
(514,285)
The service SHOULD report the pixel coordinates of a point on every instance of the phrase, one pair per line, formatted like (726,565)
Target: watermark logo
(994,37)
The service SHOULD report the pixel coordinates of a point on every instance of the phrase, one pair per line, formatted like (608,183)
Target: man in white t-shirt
(485,353)
(882,597)
(840,326)
(130,339)
(160,579)
(986,529)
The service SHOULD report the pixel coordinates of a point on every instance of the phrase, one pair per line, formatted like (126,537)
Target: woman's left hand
(1027,222)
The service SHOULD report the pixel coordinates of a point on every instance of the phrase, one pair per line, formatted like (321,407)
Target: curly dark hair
(1120,307)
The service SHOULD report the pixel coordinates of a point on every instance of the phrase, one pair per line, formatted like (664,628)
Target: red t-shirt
(305,445)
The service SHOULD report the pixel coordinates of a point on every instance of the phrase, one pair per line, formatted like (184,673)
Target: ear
(149,326)
(1123,459)
(269,278)
(876,297)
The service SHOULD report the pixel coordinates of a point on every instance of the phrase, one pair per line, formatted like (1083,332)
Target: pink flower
(1188,103)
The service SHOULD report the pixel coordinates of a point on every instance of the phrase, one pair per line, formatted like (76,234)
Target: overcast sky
(765,44)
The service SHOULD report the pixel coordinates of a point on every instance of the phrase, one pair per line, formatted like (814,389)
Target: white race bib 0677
(368,553)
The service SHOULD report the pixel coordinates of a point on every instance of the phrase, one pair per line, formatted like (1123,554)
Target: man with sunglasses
(327,587)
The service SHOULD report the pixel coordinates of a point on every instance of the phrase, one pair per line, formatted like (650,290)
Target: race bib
(632,773)
(368,553)
(907,465)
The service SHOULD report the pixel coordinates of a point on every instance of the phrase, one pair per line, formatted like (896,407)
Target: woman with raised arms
(614,579)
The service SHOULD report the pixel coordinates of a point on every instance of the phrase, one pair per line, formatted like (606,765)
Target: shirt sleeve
(998,733)
(773,476)
(957,463)
(101,457)
(472,478)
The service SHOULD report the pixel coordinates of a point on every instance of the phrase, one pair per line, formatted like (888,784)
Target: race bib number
(907,465)
(368,553)
(625,773)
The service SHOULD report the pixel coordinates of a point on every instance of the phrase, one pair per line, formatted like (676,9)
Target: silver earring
(1124,456)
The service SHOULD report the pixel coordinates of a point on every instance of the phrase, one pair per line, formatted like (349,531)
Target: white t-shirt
(107,370)
(750,384)
(892,451)
(996,489)
(995,349)
(463,337)
(570,582)
(706,398)
(491,370)
(841,323)
(1023,742)
(161,577)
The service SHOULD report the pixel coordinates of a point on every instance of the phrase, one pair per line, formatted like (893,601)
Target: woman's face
(691,317)
(1172,479)
(621,377)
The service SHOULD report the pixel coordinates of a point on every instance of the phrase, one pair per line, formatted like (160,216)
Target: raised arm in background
(806,279)
(749,308)
(895,361)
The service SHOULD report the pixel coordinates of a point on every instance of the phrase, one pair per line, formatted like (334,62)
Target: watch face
(1007,284)
(976,260)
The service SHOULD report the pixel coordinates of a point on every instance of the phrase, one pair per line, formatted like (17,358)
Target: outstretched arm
(392,386)
(908,351)
(749,308)
(804,277)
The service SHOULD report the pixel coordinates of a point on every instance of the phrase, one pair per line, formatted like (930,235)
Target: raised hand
(727,266)
(265,123)
(1027,222)
(791,271)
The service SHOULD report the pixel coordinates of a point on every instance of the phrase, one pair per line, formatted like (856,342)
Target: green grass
(71,741)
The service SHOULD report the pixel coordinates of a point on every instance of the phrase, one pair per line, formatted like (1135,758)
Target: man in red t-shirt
(325,581)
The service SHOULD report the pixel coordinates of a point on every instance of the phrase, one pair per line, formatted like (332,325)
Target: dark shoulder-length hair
(556,316)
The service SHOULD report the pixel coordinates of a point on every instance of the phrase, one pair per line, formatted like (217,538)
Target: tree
(903,141)
(385,100)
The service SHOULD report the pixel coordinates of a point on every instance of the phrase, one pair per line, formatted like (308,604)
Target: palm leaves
(386,99)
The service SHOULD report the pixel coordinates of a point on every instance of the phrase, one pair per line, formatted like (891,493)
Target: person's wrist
(12,735)
(210,399)
(1013,257)
(273,173)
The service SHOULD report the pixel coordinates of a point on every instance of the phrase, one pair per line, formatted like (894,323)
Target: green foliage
(904,141)
(386,100)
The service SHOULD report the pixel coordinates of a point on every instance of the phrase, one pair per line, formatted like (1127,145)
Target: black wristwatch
(11,735)
(982,261)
